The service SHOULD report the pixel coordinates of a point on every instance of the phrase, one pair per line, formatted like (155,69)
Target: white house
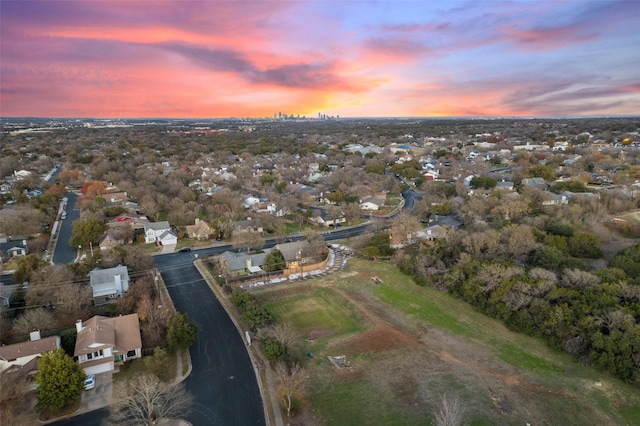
(372,203)
(102,343)
(108,283)
(15,248)
(159,232)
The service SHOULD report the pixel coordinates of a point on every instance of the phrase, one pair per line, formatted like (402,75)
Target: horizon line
(327,117)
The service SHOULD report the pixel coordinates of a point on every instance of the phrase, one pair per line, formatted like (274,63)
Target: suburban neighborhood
(525,220)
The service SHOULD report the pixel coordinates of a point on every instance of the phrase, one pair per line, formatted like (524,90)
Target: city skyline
(202,59)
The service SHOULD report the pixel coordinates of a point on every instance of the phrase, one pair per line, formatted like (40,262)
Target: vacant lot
(407,346)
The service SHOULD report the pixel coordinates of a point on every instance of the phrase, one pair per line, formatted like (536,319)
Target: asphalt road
(64,253)
(222,382)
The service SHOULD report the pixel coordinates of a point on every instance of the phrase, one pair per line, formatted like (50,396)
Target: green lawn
(316,310)
(401,385)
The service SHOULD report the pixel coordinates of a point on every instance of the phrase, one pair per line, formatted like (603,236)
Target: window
(89,356)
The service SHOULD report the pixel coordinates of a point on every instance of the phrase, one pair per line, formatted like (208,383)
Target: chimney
(79,326)
(34,335)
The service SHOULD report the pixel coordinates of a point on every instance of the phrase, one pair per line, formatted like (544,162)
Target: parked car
(64,215)
(184,249)
(90,382)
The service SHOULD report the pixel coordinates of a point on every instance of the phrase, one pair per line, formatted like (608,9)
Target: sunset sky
(349,58)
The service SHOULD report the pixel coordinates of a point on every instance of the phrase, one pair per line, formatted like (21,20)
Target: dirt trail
(509,388)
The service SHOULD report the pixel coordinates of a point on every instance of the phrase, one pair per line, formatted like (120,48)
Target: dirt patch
(408,365)
(379,338)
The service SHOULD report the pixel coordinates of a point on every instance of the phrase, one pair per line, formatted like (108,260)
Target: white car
(90,382)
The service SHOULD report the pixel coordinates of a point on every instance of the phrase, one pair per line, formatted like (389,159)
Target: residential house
(115,236)
(14,248)
(248,201)
(536,182)
(21,174)
(555,199)
(115,198)
(431,174)
(137,222)
(123,230)
(373,203)
(108,283)
(201,230)
(296,253)
(102,343)
(321,217)
(159,233)
(270,208)
(432,233)
(25,355)
(505,185)
(249,225)
(241,263)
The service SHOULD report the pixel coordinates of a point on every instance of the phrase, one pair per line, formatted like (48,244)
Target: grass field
(409,346)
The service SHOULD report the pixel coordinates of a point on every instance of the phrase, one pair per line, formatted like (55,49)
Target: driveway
(98,397)
(169,248)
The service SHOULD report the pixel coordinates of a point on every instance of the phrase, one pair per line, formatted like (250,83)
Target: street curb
(224,302)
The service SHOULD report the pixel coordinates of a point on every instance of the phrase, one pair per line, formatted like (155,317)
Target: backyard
(406,347)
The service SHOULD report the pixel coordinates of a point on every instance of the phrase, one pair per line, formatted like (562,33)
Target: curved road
(222,382)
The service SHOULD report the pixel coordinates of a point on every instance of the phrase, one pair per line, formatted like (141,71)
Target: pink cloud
(546,38)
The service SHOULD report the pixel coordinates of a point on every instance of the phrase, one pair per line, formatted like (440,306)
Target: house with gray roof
(296,253)
(108,283)
(12,249)
(159,233)
(536,182)
(239,263)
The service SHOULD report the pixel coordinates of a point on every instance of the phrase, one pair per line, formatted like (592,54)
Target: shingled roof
(121,333)
(19,350)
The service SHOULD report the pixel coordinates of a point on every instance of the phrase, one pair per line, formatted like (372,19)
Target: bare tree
(291,384)
(578,278)
(44,284)
(74,297)
(450,412)
(317,246)
(491,274)
(404,226)
(34,319)
(146,399)
(154,317)
(352,212)
(247,240)
(484,245)
(12,402)
(284,333)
